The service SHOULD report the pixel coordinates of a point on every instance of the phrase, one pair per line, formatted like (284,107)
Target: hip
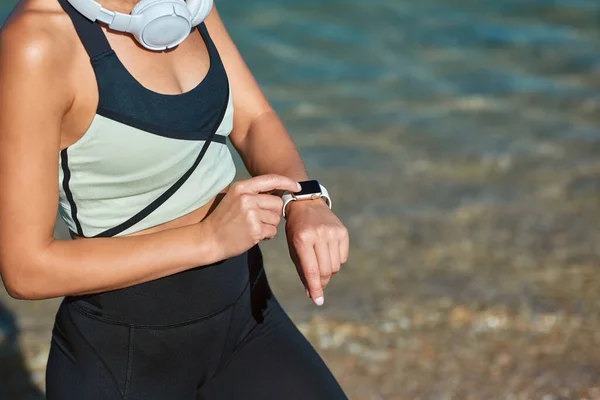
(175,299)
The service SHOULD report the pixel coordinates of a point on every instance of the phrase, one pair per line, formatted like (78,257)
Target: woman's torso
(169,78)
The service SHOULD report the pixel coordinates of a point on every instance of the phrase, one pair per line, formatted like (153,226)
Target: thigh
(93,359)
(75,371)
(275,361)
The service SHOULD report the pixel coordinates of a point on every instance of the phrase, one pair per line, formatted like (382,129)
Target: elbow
(25,274)
(17,288)
(13,287)
(15,291)
(20,285)
(23,291)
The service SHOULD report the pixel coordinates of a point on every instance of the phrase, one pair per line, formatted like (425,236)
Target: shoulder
(38,53)
(38,38)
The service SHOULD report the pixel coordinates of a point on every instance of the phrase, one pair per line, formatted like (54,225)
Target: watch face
(309,187)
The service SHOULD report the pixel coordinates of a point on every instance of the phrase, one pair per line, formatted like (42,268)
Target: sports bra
(146,158)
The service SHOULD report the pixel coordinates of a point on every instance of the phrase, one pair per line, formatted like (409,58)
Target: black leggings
(214,332)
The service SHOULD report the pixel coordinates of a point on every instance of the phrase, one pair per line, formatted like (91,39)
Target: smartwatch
(310,190)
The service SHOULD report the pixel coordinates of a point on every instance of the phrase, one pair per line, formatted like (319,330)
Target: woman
(165,293)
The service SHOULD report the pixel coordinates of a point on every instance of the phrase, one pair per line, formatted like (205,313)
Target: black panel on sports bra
(190,116)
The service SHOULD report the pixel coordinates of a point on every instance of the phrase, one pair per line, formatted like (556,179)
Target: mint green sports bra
(147,158)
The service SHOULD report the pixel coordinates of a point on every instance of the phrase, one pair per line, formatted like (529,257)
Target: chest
(166,75)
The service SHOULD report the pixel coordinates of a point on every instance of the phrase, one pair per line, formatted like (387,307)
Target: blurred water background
(461,142)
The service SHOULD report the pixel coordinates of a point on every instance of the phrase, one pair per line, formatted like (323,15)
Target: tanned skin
(48,99)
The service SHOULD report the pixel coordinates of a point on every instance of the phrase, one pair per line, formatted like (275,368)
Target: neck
(123,6)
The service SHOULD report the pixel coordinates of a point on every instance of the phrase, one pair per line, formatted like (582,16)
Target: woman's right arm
(35,96)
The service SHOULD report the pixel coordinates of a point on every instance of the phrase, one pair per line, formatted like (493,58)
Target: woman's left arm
(317,239)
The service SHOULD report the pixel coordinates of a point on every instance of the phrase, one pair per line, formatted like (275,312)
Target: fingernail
(319,301)
(298,186)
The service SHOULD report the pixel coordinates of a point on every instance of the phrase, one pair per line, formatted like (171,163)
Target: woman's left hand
(318,244)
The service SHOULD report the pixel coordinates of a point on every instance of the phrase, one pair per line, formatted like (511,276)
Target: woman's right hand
(247,214)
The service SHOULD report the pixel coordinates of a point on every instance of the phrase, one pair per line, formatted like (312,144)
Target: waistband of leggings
(181,298)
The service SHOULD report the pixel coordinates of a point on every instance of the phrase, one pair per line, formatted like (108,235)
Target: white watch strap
(289,197)
(325,195)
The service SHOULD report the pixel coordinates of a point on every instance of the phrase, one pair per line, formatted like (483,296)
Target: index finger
(269,182)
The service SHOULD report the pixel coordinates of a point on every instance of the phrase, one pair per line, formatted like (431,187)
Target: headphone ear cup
(160,24)
(199,9)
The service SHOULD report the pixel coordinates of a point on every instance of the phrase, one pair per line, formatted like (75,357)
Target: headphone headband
(93,11)
(192,11)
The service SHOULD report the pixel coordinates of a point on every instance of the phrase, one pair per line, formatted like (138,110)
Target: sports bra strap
(91,34)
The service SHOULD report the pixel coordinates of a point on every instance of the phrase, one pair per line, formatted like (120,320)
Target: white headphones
(156,24)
